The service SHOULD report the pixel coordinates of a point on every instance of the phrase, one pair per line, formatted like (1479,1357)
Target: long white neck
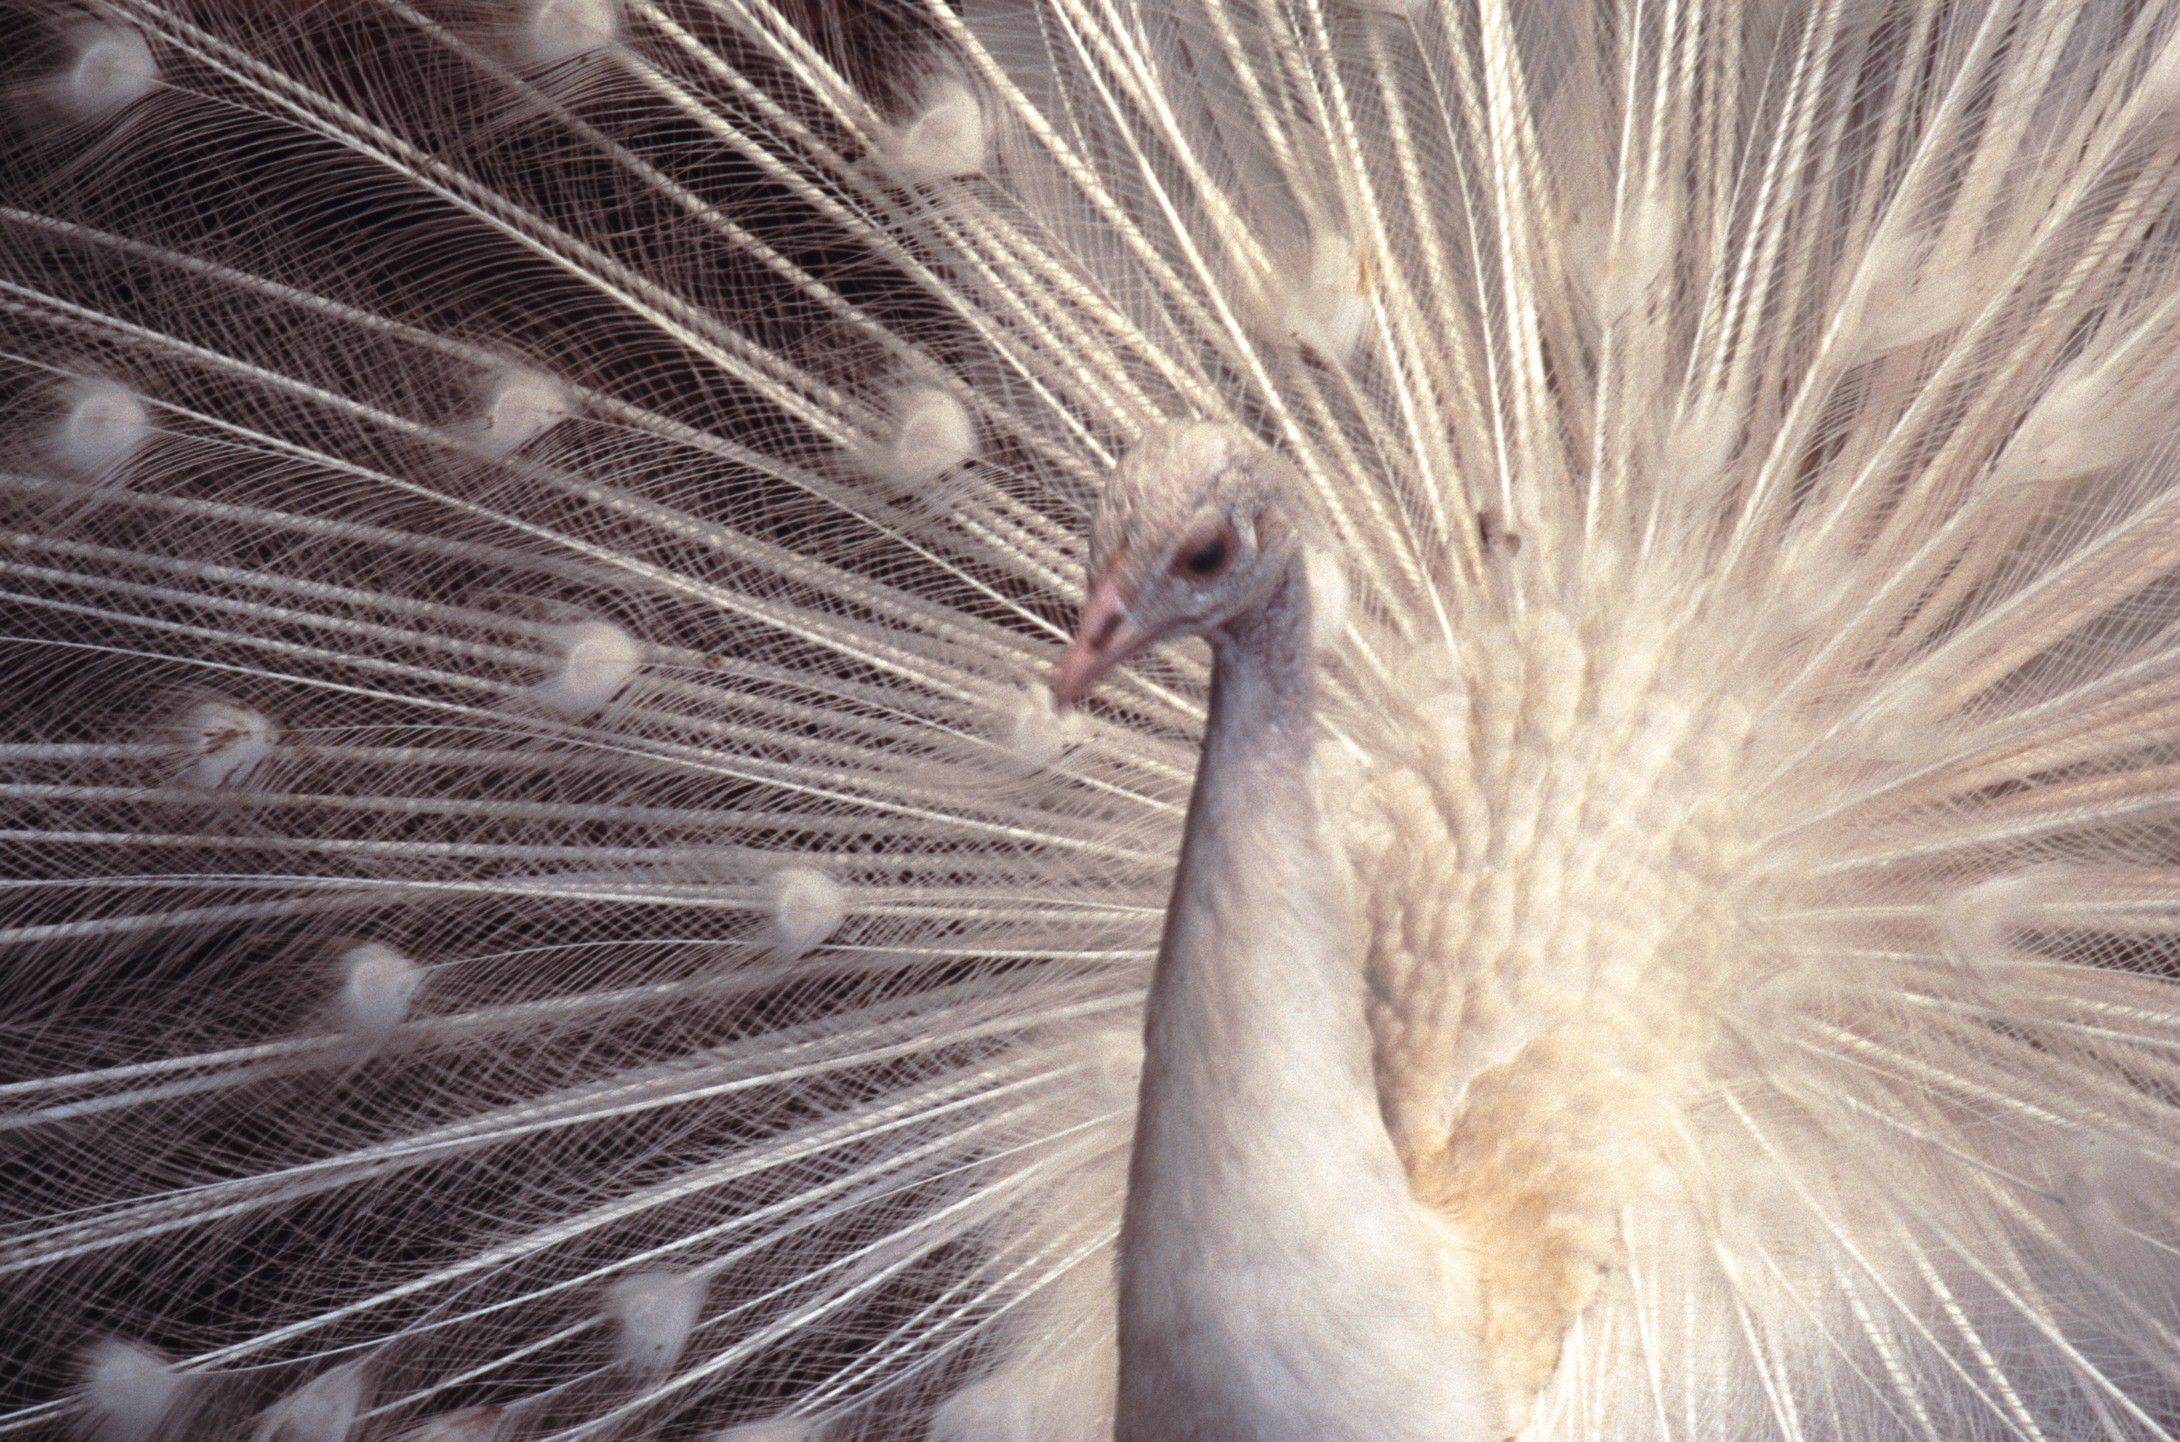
(1277,1279)
(1255,1025)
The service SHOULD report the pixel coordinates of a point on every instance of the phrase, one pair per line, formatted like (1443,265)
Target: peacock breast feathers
(1582,836)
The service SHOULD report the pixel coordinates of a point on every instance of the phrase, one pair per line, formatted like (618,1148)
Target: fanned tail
(547,898)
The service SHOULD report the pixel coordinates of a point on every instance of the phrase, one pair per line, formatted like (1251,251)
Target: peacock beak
(1105,636)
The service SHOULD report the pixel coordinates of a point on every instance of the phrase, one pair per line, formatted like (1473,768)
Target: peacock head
(1193,530)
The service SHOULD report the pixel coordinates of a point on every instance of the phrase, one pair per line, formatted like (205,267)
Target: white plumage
(102,425)
(594,663)
(377,985)
(519,406)
(471,1424)
(110,69)
(944,138)
(589,493)
(323,1409)
(222,742)
(932,436)
(780,1430)
(129,1391)
(807,907)
(652,1314)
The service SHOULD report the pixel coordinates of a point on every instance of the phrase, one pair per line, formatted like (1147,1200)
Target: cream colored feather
(547,897)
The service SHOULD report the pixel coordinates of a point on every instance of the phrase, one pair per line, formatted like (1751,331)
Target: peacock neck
(1264,1194)
(1257,1002)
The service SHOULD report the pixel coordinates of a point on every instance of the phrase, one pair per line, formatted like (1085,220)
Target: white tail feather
(130,1392)
(587,494)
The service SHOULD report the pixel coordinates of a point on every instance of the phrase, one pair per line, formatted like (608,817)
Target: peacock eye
(1208,559)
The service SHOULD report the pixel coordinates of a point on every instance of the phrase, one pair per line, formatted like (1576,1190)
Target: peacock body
(549,896)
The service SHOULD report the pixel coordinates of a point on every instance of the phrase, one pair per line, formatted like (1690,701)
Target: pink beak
(1105,636)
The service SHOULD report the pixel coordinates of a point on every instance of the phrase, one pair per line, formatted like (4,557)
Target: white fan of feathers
(548,896)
